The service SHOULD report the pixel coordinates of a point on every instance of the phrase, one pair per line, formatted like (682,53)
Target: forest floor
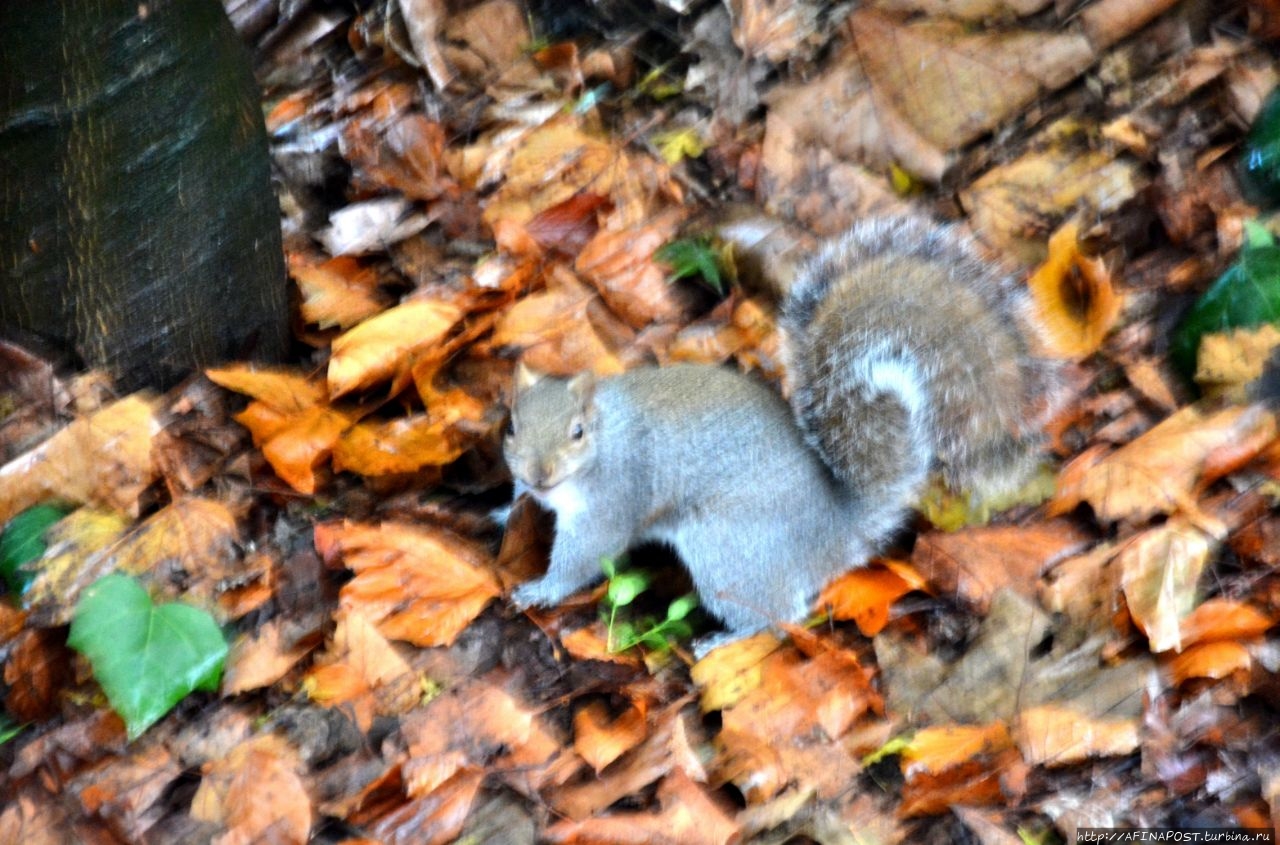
(468,185)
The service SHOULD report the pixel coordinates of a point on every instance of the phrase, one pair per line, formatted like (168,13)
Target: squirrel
(906,351)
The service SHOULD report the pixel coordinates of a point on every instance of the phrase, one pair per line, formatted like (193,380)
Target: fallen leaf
(103,459)
(256,794)
(417,585)
(1160,575)
(1157,472)
(600,738)
(338,293)
(865,595)
(1051,735)
(381,346)
(401,445)
(936,749)
(1213,660)
(1076,303)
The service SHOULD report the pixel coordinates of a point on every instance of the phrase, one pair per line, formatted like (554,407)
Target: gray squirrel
(906,352)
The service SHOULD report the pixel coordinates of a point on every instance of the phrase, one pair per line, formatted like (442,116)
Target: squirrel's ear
(583,385)
(525,377)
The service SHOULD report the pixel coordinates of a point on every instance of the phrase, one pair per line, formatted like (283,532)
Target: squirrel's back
(908,350)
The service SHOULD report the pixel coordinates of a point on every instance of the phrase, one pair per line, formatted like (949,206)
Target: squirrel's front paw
(540,592)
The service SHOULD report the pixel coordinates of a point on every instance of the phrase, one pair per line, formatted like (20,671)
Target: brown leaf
(600,738)
(689,813)
(975,563)
(1160,576)
(1157,472)
(418,585)
(400,445)
(952,84)
(256,794)
(621,266)
(340,292)
(261,657)
(103,459)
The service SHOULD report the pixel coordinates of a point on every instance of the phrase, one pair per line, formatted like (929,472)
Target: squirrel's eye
(509,429)
(575,430)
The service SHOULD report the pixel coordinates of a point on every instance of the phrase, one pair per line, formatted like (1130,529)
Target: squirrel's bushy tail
(908,351)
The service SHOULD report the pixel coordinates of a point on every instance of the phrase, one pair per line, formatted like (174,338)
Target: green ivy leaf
(1246,295)
(146,658)
(1260,161)
(23,541)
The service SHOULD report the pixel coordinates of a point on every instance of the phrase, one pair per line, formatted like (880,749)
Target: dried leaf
(865,595)
(381,346)
(1060,736)
(1157,472)
(337,293)
(103,459)
(1160,576)
(600,739)
(1073,294)
(256,793)
(400,445)
(935,750)
(417,585)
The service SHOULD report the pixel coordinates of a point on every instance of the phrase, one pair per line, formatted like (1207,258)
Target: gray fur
(905,355)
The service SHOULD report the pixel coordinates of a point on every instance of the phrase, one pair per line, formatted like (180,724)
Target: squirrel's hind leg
(740,580)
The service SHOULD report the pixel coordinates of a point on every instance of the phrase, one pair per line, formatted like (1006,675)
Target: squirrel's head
(550,437)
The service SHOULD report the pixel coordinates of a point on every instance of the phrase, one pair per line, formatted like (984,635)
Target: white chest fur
(567,501)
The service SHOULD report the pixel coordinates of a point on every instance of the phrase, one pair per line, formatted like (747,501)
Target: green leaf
(682,607)
(146,658)
(694,257)
(8,728)
(1245,296)
(1260,161)
(625,586)
(23,542)
(894,746)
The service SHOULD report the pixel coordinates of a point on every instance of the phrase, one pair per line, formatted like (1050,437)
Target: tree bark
(139,229)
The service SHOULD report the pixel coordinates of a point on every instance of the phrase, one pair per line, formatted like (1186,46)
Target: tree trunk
(139,225)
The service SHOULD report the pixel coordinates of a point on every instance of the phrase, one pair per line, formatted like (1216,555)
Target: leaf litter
(508,179)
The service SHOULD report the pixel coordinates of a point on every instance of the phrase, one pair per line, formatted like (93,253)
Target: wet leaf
(146,657)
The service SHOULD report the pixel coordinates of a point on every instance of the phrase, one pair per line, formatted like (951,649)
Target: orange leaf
(256,794)
(600,739)
(338,292)
(1157,472)
(280,390)
(1223,619)
(934,750)
(865,596)
(296,449)
(1060,736)
(1074,296)
(395,446)
(1216,660)
(382,346)
(419,585)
